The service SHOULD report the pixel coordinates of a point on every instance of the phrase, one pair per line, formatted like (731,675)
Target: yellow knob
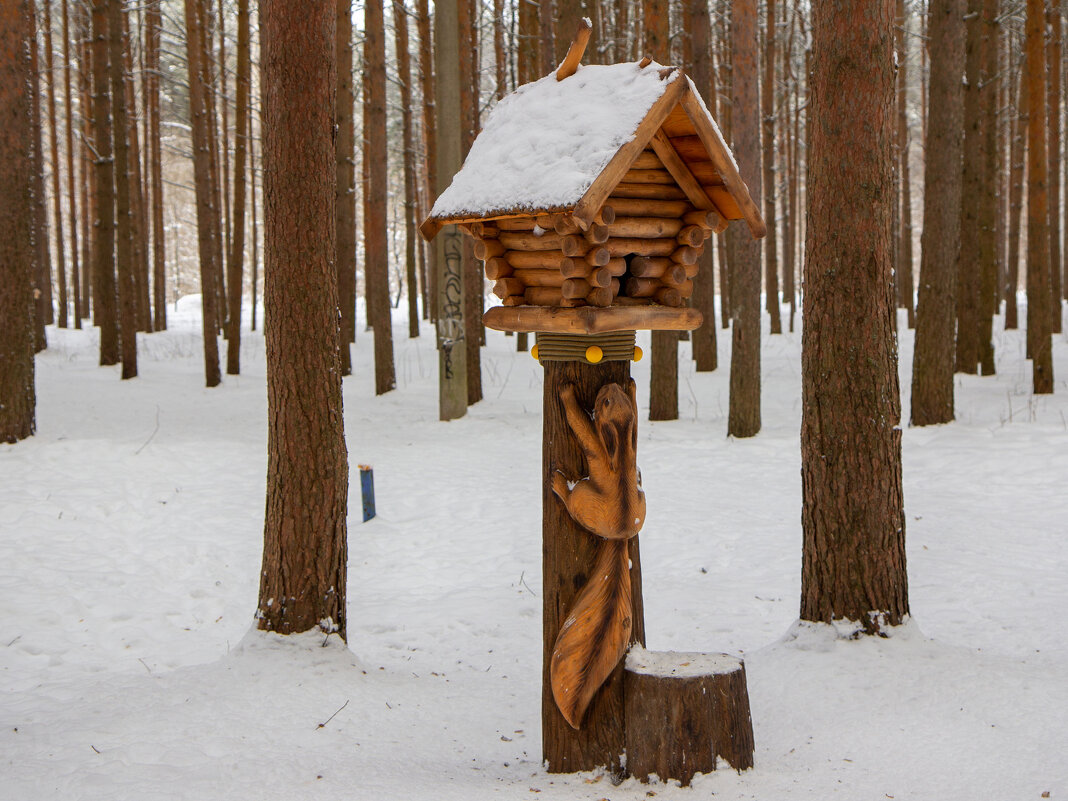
(637,354)
(534,351)
(594,354)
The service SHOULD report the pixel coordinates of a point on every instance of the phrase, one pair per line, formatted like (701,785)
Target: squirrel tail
(596,633)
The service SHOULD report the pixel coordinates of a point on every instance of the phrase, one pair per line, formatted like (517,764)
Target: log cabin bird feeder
(590,195)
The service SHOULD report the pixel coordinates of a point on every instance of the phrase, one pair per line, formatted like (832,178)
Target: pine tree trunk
(377,262)
(967,354)
(155,160)
(704,297)
(404,75)
(449,301)
(426,80)
(1016,181)
(43,269)
(744,414)
(17,254)
(988,198)
(206,216)
(545,23)
(53,141)
(138,230)
(933,357)
(214,182)
(725,243)
(255,224)
(88,182)
(906,285)
(104,311)
(72,199)
(236,263)
(472,274)
(303,578)
(1038,264)
(346,185)
(1053,113)
(569,14)
(767,86)
(853,522)
(224,146)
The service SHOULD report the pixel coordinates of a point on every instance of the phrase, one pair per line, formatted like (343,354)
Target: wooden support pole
(568,554)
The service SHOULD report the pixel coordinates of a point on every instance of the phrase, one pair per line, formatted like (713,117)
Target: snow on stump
(684,712)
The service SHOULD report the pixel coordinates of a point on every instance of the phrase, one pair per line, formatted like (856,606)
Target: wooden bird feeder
(590,195)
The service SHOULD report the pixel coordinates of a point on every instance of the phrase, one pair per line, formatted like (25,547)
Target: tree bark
(124,212)
(704,294)
(744,413)
(104,311)
(43,268)
(568,554)
(72,199)
(17,258)
(236,263)
(905,283)
(375,234)
(472,275)
(449,315)
(853,521)
(346,185)
(138,229)
(426,79)
(1053,114)
(53,141)
(404,76)
(767,87)
(153,23)
(1038,264)
(1016,181)
(302,582)
(933,357)
(986,291)
(207,233)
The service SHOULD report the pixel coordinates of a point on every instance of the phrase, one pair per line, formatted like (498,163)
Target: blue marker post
(367,489)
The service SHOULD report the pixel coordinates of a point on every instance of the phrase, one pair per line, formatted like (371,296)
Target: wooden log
(692,235)
(513,300)
(574,268)
(536,277)
(597,234)
(648,177)
(599,277)
(645,227)
(606,216)
(524,240)
(685,289)
(686,713)
(575,288)
(593,321)
(486,249)
(603,295)
(544,295)
(624,300)
(568,554)
(598,256)
(691,269)
(515,224)
(569,66)
(644,207)
(651,191)
(625,246)
(535,259)
(603,276)
(643,287)
(647,160)
(685,255)
(706,219)
(644,267)
(508,286)
(484,230)
(565,224)
(668,296)
(498,267)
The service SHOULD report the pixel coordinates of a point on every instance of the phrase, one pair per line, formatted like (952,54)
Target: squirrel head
(615,418)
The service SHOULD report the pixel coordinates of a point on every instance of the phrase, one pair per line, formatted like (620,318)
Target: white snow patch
(680,664)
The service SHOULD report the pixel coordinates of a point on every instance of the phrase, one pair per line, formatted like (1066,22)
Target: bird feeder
(590,195)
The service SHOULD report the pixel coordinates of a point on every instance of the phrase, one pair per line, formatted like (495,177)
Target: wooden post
(569,554)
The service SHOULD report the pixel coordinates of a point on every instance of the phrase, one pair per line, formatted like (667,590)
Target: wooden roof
(676,125)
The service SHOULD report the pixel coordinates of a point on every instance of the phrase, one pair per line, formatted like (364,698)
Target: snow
(130,543)
(542,146)
(680,664)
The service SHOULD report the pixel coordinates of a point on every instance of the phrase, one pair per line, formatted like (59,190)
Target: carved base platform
(591,319)
(685,713)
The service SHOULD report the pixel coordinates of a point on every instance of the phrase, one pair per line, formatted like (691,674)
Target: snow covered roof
(562,145)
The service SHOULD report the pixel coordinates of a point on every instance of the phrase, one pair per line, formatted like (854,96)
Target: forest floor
(130,540)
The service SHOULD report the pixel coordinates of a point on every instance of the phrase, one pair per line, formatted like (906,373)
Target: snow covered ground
(130,536)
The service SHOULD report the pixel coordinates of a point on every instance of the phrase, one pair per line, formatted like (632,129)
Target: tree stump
(683,712)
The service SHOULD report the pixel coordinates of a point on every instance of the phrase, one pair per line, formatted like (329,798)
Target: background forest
(132,522)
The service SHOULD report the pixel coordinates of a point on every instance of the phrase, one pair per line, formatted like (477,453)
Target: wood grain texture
(568,554)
